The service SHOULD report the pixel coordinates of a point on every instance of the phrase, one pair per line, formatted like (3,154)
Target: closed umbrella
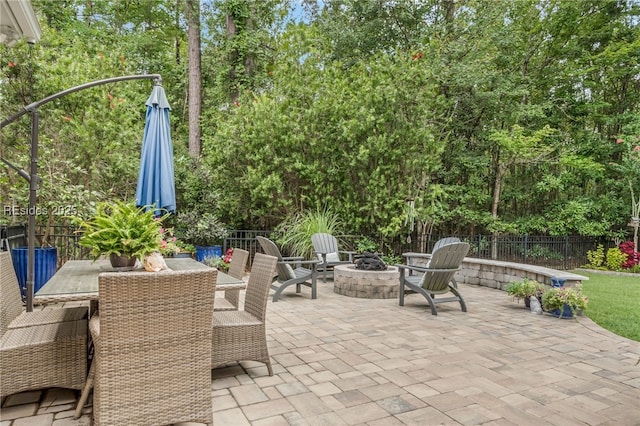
(156,182)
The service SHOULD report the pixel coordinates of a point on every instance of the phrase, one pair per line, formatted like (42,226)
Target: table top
(78,279)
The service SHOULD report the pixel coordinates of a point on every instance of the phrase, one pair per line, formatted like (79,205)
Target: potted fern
(122,231)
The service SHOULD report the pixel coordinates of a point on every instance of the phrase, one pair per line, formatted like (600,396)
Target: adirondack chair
(437,278)
(443,242)
(290,270)
(326,247)
(440,243)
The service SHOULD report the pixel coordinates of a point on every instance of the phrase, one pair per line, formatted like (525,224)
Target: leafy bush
(596,257)
(365,244)
(633,257)
(615,259)
(203,229)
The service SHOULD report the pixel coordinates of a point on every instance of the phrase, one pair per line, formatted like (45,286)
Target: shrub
(596,257)
(615,259)
(633,257)
(364,244)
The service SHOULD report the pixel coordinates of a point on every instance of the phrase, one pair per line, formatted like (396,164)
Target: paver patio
(339,360)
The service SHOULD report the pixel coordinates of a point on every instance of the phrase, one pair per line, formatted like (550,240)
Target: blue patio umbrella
(156,182)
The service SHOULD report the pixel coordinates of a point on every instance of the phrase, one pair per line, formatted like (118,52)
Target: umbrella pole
(33,200)
(33,178)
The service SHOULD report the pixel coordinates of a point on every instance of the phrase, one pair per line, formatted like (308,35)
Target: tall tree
(192,12)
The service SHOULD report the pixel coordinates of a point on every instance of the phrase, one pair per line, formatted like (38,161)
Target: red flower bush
(633,257)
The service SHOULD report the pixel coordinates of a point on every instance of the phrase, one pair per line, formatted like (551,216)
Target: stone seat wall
(498,274)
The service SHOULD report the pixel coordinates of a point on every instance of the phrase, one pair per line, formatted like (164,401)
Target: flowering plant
(557,298)
(169,244)
(220,263)
(633,257)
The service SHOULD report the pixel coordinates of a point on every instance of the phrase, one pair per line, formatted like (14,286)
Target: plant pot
(202,252)
(565,313)
(182,255)
(46,264)
(122,261)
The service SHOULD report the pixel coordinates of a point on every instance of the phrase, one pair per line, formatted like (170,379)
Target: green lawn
(614,302)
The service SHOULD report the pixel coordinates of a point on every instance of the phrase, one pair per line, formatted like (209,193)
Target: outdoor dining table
(77,280)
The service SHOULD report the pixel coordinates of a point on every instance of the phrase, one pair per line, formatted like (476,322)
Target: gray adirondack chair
(443,242)
(326,247)
(290,270)
(437,278)
(440,243)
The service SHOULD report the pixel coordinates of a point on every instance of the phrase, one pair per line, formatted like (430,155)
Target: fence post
(526,247)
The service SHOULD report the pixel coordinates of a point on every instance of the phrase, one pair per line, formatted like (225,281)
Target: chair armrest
(290,258)
(300,262)
(402,267)
(419,255)
(349,253)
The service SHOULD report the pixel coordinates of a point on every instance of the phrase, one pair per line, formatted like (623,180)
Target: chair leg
(314,287)
(463,305)
(85,392)
(401,292)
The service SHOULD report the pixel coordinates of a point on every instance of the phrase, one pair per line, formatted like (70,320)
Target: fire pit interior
(369,262)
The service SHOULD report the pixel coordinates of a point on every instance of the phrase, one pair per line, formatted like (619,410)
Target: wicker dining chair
(237,268)
(42,356)
(241,335)
(11,307)
(152,339)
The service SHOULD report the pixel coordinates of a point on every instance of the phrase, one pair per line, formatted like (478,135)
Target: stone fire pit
(349,281)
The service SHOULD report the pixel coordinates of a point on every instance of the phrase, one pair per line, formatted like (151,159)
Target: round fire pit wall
(349,281)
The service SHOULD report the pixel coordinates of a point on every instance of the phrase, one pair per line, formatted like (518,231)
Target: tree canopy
(511,116)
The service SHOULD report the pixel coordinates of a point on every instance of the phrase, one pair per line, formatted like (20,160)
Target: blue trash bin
(202,252)
(46,264)
(557,282)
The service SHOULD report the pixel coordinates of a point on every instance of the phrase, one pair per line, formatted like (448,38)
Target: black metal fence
(566,252)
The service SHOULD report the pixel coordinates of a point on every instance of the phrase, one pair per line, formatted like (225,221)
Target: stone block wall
(499,274)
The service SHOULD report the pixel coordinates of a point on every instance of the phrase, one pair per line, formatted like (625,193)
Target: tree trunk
(177,40)
(192,11)
(497,188)
(233,57)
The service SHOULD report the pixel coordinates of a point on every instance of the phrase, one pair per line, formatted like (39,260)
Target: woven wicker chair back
(283,270)
(153,354)
(238,265)
(444,264)
(10,299)
(259,284)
